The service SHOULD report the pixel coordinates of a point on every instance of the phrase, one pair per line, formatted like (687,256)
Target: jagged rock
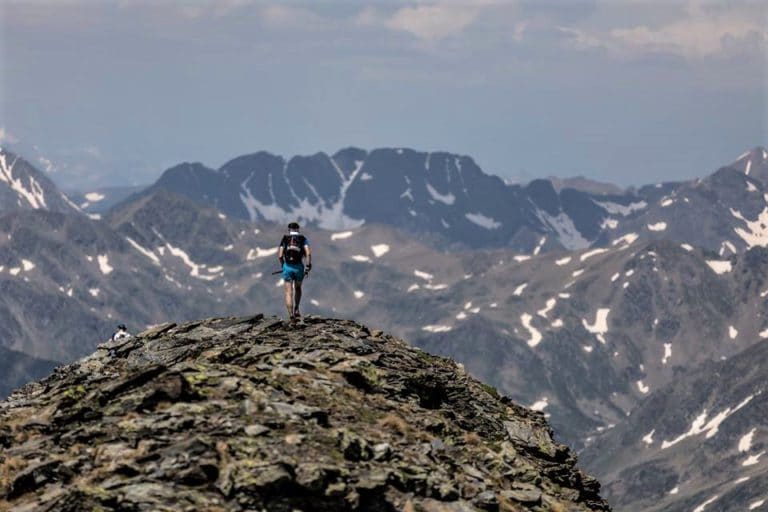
(253,414)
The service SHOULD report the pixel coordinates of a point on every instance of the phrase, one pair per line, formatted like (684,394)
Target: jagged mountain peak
(251,413)
(753,163)
(23,187)
(758,153)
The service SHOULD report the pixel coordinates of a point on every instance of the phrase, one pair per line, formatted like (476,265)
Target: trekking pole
(277,272)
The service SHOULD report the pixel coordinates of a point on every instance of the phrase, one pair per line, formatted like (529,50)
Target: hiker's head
(122,327)
(293,226)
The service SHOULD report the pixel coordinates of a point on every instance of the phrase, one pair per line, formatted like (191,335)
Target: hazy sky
(628,91)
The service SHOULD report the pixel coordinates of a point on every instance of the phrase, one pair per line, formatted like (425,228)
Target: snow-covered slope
(698,443)
(22,187)
(725,212)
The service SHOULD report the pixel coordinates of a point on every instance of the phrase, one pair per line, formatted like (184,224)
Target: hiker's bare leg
(298,296)
(289,297)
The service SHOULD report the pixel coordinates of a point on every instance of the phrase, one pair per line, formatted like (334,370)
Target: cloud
(47,164)
(6,136)
(433,22)
(694,37)
(580,39)
(428,22)
(284,16)
(191,10)
(705,30)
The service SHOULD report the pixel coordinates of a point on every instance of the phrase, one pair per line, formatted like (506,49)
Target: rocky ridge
(254,414)
(23,187)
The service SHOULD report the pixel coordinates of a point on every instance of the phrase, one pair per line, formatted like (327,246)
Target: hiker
(294,247)
(120,333)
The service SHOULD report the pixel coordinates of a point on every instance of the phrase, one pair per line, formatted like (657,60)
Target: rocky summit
(257,414)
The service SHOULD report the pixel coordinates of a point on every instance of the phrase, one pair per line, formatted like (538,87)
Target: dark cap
(293,225)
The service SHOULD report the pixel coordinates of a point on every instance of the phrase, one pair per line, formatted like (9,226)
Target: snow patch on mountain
(437,328)
(753,459)
(627,239)
(667,353)
(195,268)
(104,265)
(600,327)
(448,198)
(569,237)
(483,220)
(704,505)
(423,275)
(756,232)
(700,424)
(258,252)
(380,250)
(620,209)
(547,308)
(341,236)
(648,438)
(327,217)
(659,226)
(94,197)
(720,267)
(745,443)
(535,335)
(593,252)
(35,195)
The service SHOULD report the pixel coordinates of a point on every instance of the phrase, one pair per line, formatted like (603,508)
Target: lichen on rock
(256,414)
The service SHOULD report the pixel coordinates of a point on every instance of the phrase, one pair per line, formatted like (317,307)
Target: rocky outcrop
(254,414)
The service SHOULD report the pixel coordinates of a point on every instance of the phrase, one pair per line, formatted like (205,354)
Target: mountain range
(650,291)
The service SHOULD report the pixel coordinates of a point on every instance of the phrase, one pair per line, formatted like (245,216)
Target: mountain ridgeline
(253,414)
(439,193)
(449,196)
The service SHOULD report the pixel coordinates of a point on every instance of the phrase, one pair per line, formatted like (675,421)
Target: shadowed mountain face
(440,193)
(702,439)
(449,196)
(253,414)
